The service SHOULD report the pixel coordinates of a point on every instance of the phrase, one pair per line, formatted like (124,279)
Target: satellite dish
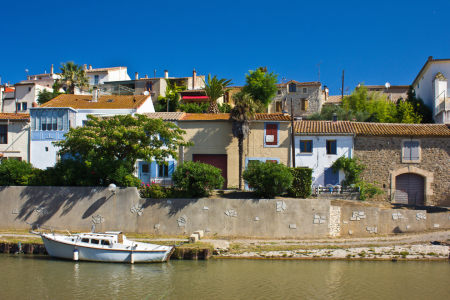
(146,93)
(387,85)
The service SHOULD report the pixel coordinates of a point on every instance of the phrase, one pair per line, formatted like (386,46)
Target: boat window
(95,242)
(85,240)
(104,242)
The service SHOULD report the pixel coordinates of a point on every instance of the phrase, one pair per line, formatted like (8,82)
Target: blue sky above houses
(373,41)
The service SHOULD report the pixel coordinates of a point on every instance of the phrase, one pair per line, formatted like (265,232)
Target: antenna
(26,70)
(318,65)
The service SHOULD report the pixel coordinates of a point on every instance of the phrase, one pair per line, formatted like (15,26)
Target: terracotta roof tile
(323,127)
(13,116)
(299,83)
(8,90)
(166,116)
(386,129)
(104,102)
(334,99)
(226,117)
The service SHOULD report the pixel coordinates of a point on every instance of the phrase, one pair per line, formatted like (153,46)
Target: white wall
(39,157)
(147,107)
(82,113)
(18,140)
(319,160)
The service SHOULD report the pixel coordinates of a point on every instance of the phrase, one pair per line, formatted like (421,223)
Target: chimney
(95,94)
(154,73)
(166,74)
(194,79)
(136,76)
(146,76)
(90,67)
(34,104)
(51,69)
(334,117)
(430,57)
(326,90)
(85,67)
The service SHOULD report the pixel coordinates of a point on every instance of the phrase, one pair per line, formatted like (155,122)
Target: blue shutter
(311,146)
(302,146)
(171,167)
(330,177)
(335,147)
(153,170)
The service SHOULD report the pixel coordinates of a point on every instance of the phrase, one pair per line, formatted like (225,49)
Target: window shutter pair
(272,129)
(411,150)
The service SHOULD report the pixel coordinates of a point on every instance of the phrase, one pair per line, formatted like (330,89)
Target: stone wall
(383,158)
(314,97)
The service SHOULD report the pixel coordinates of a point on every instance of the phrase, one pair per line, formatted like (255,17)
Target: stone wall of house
(383,158)
(313,95)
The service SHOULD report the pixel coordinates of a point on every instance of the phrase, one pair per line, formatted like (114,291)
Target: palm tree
(243,111)
(214,89)
(73,76)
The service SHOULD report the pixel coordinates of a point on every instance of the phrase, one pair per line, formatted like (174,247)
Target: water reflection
(37,277)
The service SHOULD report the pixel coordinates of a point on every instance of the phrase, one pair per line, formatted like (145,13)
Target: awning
(194,97)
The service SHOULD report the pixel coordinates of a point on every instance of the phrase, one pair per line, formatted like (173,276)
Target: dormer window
(292,88)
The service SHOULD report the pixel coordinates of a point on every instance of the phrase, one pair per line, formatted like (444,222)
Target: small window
(145,168)
(411,151)
(279,92)
(85,240)
(149,86)
(96,79)
(304,104)
(305,90)
(104,242)
(3,134)
(29,89)
(95,241)
(306,146)
(24,106)
(271,135)
(163,170)
(331,147)
(292,88)
(46,149)
(278,106)
(18,106)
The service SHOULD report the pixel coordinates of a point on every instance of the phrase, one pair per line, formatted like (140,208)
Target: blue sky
(373,41)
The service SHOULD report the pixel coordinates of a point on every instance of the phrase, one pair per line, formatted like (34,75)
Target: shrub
(152,190)
(197,179)
(301,184)
(268,179)
(15,172)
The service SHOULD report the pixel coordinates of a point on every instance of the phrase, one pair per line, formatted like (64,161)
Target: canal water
(41,277)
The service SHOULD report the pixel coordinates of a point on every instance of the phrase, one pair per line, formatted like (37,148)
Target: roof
(226,117)
(104,102)
(8,90)
(384,87)
(104,69)
(166,116)
(323,127)
(390,129)
(299,83)
(430,60)
(334,99)
(192,91)
(13,116)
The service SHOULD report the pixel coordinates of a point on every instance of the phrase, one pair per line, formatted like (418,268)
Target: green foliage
(224,108)
(72,75)
(214,89)
(152,191)
(15,172)
(352,170)
(172,96)
(419,106)
(268,179)
(193,108)
(45,96)
(406,113)
(261,85)
(197,179)
(302,182)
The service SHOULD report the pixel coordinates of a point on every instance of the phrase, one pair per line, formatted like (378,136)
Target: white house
(431,85)
(24,97)
(14,136)
(52,120)
(101,75)
(318,144)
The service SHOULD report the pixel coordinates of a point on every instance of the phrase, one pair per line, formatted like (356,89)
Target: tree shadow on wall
(47,201)
(174,205)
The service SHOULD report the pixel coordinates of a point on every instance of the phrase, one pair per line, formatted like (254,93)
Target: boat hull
(65,250)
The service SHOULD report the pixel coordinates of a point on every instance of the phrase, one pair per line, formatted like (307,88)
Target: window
(105,242)
(18,106)
(24,106)
(145,168)
(60,123)
(163,170)
(304,104)
(55,120)
(96,79)
(411,151)
(331,147)
(46,149)
(292,88)
(279,92)
(44,120)
(305,90)
(163,139)
(85,240)
(95,241)
(149,86)
(306,146)
(278,106)
(3,134)
(29,89)
(271,135)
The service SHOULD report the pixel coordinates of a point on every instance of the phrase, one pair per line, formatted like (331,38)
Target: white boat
(109,246)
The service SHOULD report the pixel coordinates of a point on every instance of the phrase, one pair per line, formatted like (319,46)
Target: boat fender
(75,254)
(132,258)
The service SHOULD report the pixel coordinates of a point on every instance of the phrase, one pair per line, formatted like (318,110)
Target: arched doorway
(409,189)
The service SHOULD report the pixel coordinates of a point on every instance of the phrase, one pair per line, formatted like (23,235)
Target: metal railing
(336,189)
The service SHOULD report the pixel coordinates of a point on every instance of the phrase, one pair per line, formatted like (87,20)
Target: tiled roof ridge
(14,116)
(85,101)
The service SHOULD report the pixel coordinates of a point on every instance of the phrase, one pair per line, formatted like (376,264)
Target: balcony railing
(443,106)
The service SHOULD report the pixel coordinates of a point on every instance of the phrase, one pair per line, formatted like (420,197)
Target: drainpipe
(292,133)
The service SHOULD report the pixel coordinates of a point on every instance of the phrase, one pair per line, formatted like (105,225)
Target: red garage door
(409,189)
(216,160)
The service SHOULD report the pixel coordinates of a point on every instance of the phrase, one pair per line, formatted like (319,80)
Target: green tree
(419,106)
(15,172)
(122,139)
(45,96)
(73,75)
(172,96)
(261,85)
(268,179)
(243,111)
(214,89)
(406,114)
(193,108)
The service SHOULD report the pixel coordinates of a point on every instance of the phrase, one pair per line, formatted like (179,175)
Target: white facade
(17,142)
(26,94)
(107,74)
(318,160)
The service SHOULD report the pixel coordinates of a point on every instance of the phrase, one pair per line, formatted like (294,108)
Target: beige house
(14,136)
(215,144)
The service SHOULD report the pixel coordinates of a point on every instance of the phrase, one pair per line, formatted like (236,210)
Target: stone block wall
(314,96)
(383,158)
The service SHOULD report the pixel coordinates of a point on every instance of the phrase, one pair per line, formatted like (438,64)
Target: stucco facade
(15,144)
